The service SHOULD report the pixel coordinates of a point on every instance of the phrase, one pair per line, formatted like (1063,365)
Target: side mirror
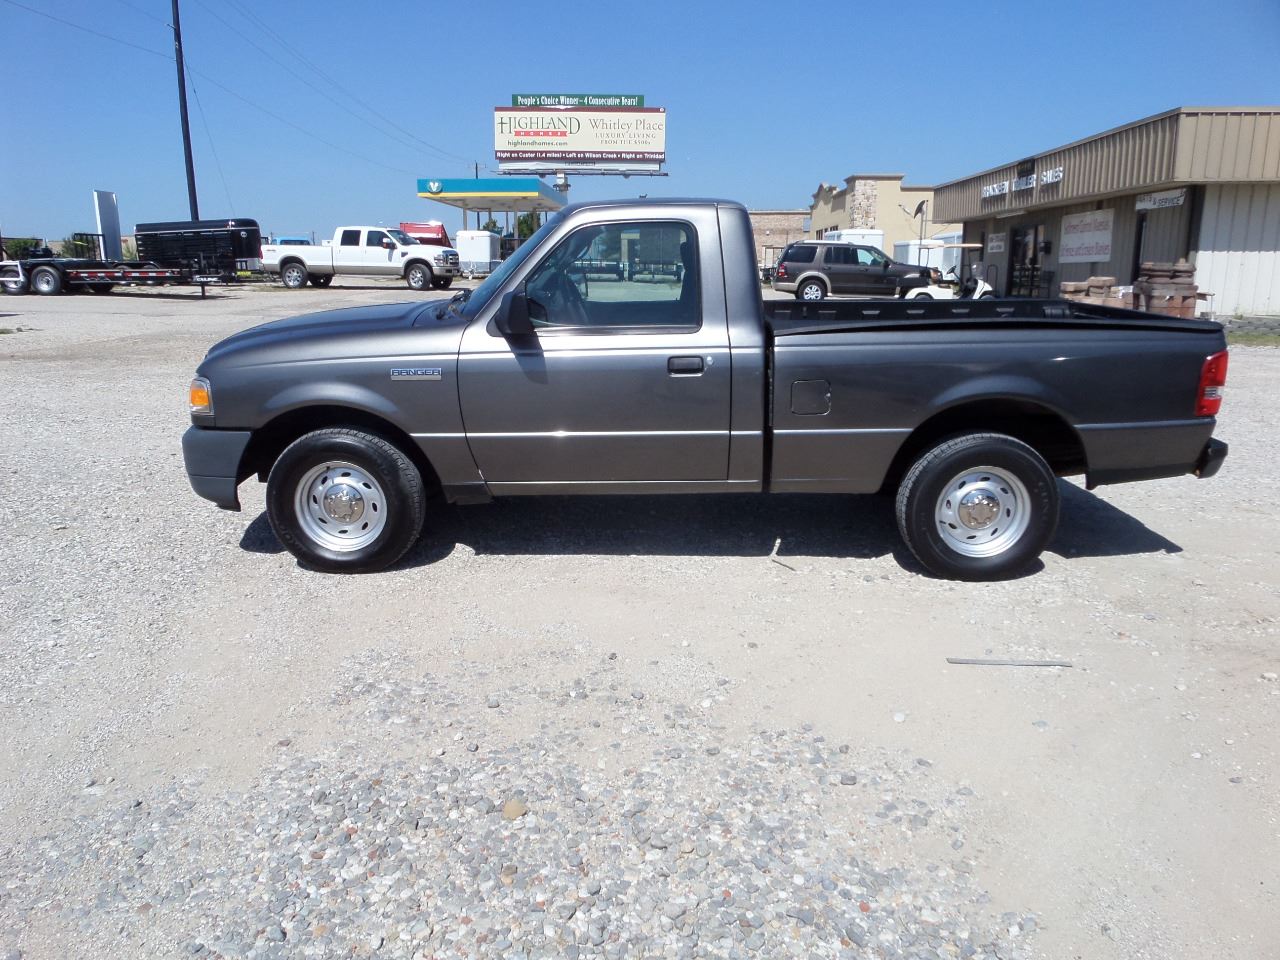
(884,264)
(512,319)
(388,243)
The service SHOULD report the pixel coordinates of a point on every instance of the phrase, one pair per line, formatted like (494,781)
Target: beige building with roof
(875,201)
(1194,183)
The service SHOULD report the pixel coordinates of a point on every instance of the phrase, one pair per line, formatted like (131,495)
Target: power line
(149,16)
(250,15)
(208,79)
(301,79)
(84,29)
(231,207)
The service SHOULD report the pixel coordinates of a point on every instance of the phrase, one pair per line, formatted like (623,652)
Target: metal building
(1195,183)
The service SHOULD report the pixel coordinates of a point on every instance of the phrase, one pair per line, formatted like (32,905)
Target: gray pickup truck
(550,378)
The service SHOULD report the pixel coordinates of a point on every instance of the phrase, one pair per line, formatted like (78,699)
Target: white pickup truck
(363,251)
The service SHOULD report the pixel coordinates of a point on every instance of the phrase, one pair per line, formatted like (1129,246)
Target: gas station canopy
(502,194)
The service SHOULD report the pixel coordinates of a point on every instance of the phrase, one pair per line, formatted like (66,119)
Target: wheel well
(421,261)
(269,440)
(1036,426)
(288,260)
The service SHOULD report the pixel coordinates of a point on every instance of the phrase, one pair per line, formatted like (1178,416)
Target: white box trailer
(479,251)
(868,238)
(933,252)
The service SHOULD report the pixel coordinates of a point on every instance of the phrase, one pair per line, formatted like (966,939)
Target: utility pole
(182,107)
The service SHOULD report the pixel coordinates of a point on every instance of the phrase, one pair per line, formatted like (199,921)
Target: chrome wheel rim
(294,276)
(340,506)
(44,281)
(983,512)
(811,291)
(418,277)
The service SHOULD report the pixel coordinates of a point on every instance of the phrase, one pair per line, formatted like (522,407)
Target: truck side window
(375,238)
(619,277)
(350,238)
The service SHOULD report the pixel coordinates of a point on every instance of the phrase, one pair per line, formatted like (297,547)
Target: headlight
(440,258)
(201,397)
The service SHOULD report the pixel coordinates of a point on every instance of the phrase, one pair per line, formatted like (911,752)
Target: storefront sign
(580,134)
(1086,237)
(1025,183)
(995,242)
(1050,176)
(1158,201)
(995,189)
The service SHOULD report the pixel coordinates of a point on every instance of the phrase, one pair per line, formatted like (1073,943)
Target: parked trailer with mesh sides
(222,249)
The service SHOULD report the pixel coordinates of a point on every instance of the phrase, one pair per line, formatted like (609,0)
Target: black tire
(811,290)
(418,276)
(442,283)
(101,287)
(923,296)
(46,281)
(293,274)
(987,296)
(321,279)
(998,533)
(392,496)
(16,288)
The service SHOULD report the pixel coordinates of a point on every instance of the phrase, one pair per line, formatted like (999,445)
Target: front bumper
(212,459)
(1211,457)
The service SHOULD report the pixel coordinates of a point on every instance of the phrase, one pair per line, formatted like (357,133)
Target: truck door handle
(684,366)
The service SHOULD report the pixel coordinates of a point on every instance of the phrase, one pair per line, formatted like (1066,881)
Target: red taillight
(1213,378)
(781,272)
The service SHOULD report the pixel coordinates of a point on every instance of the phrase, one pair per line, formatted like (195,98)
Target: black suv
(812,269)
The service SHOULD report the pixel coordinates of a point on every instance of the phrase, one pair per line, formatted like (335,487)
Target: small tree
(492,226)
(526,225)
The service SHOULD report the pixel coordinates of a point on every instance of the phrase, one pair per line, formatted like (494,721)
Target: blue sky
(764,100)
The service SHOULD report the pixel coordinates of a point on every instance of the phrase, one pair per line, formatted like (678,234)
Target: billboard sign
(1086,237)
(580,135)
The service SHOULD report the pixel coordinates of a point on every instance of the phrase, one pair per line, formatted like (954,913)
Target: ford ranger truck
(550,378)
(363,251)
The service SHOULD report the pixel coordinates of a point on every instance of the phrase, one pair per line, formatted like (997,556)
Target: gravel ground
(639,727)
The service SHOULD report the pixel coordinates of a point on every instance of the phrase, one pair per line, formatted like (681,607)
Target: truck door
(628,377)
(348,254)
(874,277)
(842,270)
(379,259)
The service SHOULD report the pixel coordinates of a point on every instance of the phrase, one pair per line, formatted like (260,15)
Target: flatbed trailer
(50,276)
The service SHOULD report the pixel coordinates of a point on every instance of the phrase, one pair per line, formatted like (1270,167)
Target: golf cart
(951,287)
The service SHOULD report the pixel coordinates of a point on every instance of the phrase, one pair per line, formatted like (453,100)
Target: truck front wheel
(978,507)
(46,281)
(345,501)
(293,275)
(418,276)
(442,283)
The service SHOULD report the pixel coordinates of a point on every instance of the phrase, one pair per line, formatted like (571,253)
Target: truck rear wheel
(345,501)
(293,275)
(978,507)
(46,281)
(16,288)
(811,290)
(321,279)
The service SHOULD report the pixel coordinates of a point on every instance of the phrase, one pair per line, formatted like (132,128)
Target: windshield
(400,237)
(492,283)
